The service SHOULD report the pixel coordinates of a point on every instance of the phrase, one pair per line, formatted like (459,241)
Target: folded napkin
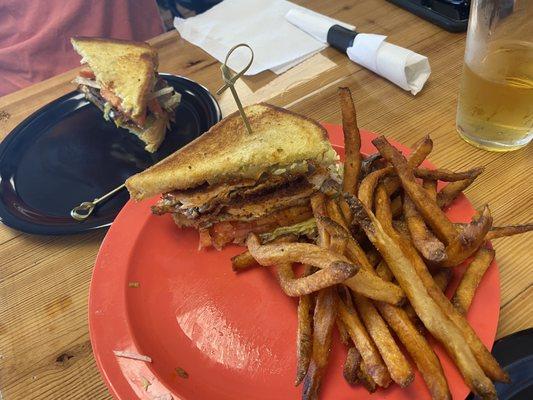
(404,67)
(277,44)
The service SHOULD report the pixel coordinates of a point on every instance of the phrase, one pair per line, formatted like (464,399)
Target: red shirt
(35,35)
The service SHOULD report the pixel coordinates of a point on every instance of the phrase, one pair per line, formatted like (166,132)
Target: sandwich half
(120,77)
(228,183)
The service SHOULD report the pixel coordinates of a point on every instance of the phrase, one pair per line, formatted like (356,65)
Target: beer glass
(495,106)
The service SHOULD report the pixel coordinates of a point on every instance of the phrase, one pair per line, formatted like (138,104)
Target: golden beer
(495,108)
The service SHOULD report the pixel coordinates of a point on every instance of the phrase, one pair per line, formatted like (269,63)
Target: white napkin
(405,68)
(401,66)
(277,44)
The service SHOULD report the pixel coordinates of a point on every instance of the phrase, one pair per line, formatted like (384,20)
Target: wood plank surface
(45,352)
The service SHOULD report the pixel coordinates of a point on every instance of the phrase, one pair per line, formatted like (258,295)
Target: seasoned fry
(343,333)
(318,204)
(354,252)
(468,240)
(441,174)
(369,183)
(352,142)
(334,212)
(401,264)
(442,280)
(396,206)
(417,157)
(324,278)
(510,230)
(420,351)
(375,366)
(245,260)
(431,187)
(351,365)
(433,215)
(484,357)
(323,322)
(384,272)
(431,248)
(449,193)
(363,283)
(471,278)
(407,327)
(398,367)
(365,379)
(304,334)
(304,253)
(373,257)
(352,148)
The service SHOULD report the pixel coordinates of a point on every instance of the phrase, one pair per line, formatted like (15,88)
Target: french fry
(352,142)
(431,248)
(443,329)
(365,378)
(354,252)
(375,366)
(449,193)
(399,369)
(396,206)
(433,215)
(351,365)
(318,204)
(407,328)
(343,332)
(369,183)
(484,357)
(384,272)
(417,157)
(510,230)
(352,147)
(323,322)
(306,253)
(334,212)
(420,351)
(468,241)
(304,334)
(245,260)
(441,174)
(431,187)
(295,287)
(442,280)
(373,256)
(471,278)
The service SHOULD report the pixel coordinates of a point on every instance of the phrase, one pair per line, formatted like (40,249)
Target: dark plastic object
(66,153)
(515,355)
(451,15)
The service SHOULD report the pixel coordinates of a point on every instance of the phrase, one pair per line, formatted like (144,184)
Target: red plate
(233,334)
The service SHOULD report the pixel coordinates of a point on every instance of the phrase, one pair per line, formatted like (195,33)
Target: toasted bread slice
(228,152)
(127,68)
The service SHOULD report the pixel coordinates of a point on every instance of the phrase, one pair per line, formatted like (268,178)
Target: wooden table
(45,350)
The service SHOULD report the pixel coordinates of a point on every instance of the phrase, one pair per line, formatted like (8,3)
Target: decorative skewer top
(229,81)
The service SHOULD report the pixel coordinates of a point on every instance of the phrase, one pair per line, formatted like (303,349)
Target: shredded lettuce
(305,228)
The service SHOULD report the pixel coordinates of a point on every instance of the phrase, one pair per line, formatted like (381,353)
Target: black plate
(515,355)
(66,153)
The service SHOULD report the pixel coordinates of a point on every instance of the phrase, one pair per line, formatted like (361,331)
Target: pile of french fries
(379,264)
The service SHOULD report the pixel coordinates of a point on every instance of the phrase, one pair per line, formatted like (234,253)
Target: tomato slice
(111,97)
(155,107)
(86,72)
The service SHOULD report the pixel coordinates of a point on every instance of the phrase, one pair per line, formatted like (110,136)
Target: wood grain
(44,342)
